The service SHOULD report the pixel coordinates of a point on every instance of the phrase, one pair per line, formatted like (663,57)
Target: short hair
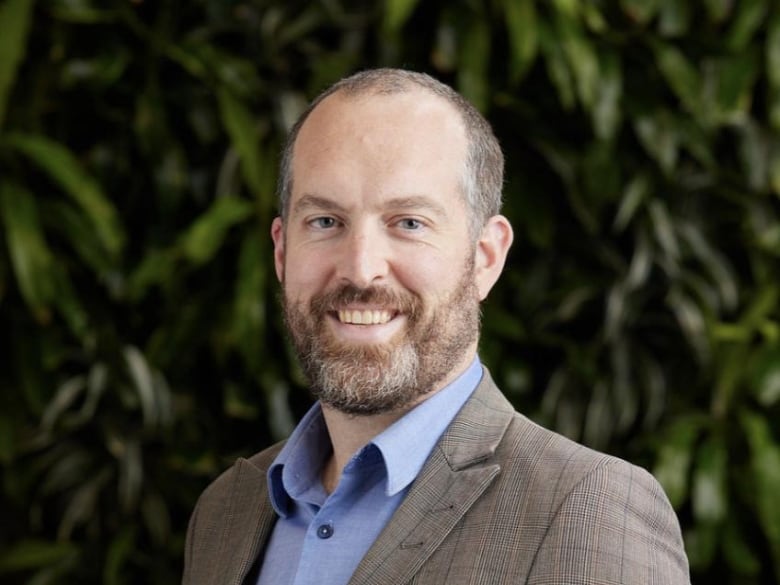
(483,174)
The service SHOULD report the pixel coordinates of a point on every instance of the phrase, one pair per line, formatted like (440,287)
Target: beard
(367,379)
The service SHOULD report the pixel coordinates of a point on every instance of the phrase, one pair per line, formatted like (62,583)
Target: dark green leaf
(243,130)
(474,58)
(31,257)
(64,168)
(765,475)
(675,457)
(522,29)
(203,238)
(397,12)
(640,11)
(749,16)
(34,554)
(710,494)
(15,16)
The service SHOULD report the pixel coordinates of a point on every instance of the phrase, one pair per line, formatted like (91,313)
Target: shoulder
(591,502)
(557,461)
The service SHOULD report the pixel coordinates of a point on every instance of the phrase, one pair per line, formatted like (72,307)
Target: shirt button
(325,531)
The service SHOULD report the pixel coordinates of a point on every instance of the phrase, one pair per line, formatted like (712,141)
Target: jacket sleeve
(188,578)
(615,526)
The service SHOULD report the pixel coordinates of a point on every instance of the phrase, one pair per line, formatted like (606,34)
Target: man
(412,467)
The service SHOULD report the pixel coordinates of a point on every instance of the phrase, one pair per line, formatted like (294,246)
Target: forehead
(414,135)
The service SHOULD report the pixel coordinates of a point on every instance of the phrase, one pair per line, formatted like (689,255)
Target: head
(483,168)
(389,238)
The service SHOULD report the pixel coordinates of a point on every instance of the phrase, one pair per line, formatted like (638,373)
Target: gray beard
(375,379)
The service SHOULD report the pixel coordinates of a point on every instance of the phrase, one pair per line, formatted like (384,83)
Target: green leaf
(557,67)
(156,269)
(153,393)
(682,77)
(523,39)
(640,11)
(156,518)
(119,551)
(722,275)
(737,548)
(691,320)
(765,476)
(131,475)
(606,113)
(701,544)
(397,12)
(75,227)
(582,59)
(772,49)
(242,128)
(83,505)
(719,10)
(763,305)
(674,18)
(30,255)
(754,152)
(665,233)
(766,376)
(658,134)
(203,238)
(749,18)
(474,59)
(64,397)
(634,196)
(79,11)
(250,301)
(64,168)
(34,554)
(710,493)
(675,455)
(736,77)
(15,17)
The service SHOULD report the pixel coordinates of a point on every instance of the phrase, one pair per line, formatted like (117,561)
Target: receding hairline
(484,165)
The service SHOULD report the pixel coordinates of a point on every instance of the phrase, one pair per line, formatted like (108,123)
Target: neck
(348,434)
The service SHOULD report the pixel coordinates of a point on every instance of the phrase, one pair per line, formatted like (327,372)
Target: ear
(491,251)
(277,235)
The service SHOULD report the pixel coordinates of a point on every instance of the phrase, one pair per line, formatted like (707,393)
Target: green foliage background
(142,349)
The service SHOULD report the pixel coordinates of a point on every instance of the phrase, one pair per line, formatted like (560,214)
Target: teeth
(364,317)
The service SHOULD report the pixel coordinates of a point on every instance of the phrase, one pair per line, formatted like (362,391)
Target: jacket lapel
(248,521)
(458,471)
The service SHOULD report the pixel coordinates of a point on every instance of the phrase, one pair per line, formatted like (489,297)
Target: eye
(324,222)
(410,223)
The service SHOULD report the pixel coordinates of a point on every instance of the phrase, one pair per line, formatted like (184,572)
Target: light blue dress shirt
(321,538)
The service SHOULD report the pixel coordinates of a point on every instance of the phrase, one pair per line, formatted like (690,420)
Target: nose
(364,257)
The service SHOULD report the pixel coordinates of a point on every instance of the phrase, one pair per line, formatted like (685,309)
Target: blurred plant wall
(142,348)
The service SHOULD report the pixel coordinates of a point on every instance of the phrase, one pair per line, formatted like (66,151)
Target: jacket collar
(459,470)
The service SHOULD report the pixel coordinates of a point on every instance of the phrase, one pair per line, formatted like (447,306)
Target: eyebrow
(417,202)
(309,201)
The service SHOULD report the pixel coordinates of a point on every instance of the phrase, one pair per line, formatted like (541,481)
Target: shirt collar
(404,446)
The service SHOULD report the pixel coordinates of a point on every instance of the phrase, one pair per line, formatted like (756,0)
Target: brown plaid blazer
(501,500)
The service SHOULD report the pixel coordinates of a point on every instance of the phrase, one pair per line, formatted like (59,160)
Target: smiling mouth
(364,317)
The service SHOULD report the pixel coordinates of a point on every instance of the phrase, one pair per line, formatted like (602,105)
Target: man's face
(375,256)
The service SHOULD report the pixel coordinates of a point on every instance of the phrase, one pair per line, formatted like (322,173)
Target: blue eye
(324,222)
(409,223)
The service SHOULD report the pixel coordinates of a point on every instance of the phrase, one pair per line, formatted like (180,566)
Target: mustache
(347,294)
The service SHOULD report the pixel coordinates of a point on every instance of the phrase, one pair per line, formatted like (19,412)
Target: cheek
(433,276)
(304,276)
